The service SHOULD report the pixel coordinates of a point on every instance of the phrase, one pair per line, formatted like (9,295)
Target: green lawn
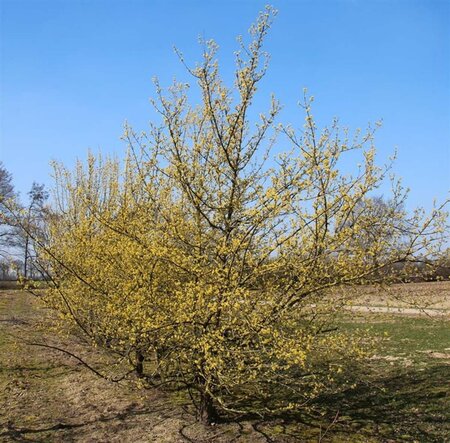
(404,392)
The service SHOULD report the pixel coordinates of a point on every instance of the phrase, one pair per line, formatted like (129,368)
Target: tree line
(17,221)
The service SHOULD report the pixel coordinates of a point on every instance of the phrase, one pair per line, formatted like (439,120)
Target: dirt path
(400,310)
(429,295)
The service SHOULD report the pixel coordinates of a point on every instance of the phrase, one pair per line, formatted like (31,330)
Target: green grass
(403,336)
(403,394)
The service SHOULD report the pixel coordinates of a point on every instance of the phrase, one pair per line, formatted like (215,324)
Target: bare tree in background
(7,231)
(33,221)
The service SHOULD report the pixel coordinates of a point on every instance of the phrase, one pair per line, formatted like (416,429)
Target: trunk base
(207,411)
(139,365)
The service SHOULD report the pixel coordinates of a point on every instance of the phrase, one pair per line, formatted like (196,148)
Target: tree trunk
(25,265)
(139,364)
(207,411)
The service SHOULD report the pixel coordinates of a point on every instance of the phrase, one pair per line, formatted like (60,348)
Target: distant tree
(210,268)
(32,225)
(7,229)
(4,269)
(378,226)
(6,186)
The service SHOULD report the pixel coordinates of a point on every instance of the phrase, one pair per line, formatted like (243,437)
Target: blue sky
(73,71)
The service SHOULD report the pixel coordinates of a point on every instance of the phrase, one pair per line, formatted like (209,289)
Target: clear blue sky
(73,71)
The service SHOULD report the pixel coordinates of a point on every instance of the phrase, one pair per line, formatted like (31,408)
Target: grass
(9,284)
(402,394)
(414,338)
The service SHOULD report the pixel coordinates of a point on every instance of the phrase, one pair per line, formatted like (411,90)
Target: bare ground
(46,396)
(420,296)
(400,310)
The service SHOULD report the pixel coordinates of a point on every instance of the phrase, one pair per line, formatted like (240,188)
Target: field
(403,393)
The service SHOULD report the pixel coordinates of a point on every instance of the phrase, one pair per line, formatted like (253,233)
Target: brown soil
(46,396)
(430,295)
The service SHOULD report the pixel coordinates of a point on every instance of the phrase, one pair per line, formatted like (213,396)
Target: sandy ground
(400,310)
(422,299)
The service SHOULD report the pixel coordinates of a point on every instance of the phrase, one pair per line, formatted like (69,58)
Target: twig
(321,436)
(87,365)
